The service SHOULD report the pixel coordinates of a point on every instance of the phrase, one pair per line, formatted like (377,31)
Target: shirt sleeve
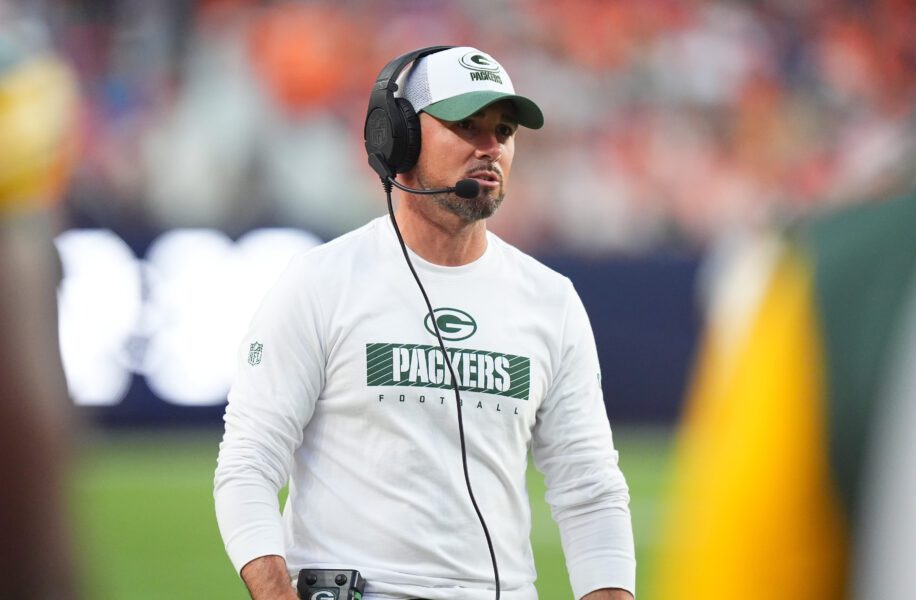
(574,449)
(278,379)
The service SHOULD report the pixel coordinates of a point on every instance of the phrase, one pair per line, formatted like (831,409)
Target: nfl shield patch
(254,353)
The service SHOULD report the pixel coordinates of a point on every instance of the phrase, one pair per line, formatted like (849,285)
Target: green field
(145,529)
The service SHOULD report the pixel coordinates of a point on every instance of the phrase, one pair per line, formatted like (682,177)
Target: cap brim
(464,105)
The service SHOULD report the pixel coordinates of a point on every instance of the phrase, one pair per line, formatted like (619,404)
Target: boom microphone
(465,188)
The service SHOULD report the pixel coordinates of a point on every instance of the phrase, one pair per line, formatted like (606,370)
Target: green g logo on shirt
(454,324)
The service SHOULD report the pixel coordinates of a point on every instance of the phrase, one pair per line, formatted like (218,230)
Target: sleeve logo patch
(254,353)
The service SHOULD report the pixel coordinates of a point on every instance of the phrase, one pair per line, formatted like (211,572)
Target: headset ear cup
(412,139)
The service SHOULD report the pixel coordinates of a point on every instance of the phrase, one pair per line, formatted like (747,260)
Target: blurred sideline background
(219,137)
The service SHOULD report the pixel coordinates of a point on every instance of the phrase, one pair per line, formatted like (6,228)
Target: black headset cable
(448,362)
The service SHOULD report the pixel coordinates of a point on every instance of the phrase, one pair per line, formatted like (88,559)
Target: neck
(437,235)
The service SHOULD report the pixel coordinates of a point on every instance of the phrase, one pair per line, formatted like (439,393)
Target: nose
(488,146)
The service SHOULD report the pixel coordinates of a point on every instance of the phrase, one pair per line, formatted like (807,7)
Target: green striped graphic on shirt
(417,365)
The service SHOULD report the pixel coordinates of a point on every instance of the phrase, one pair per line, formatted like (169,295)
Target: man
(38,100)
(343,392)
(796,468)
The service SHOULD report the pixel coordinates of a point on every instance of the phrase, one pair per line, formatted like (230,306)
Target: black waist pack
(330,584)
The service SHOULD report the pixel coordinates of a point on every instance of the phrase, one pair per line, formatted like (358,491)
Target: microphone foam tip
(467,188)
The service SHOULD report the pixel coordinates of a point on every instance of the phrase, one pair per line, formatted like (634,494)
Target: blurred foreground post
(796,455)
(37,107)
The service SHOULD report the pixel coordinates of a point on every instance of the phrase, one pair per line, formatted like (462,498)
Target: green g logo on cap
(454,324)
(476,61)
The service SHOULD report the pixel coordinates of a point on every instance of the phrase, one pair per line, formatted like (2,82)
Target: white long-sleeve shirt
(342,391)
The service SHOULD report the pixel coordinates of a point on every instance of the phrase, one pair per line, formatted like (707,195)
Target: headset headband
(389,74)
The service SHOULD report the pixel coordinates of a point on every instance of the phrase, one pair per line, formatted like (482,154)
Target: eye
(463,124)
(505,130)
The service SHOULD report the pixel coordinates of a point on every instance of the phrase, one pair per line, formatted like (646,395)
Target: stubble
(483,206)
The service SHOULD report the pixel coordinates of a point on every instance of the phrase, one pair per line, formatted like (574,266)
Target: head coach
(397,376)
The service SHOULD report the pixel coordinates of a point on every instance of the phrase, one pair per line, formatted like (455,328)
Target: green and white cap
(454,84)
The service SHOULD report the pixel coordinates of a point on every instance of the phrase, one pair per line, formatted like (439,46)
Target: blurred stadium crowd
(668,122)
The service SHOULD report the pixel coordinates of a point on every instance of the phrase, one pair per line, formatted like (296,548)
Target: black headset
(392,130)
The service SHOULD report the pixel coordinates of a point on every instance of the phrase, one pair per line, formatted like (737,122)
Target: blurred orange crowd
(669,123)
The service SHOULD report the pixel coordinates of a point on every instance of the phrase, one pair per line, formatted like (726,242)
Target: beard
(483,206)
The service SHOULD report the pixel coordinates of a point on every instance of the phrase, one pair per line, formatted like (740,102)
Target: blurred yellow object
(38,107)
(754,512)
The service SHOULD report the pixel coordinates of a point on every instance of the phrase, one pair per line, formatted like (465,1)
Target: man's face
(480,147)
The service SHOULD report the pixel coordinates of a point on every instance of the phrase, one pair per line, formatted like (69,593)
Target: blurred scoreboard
(173,317)
(150,328)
